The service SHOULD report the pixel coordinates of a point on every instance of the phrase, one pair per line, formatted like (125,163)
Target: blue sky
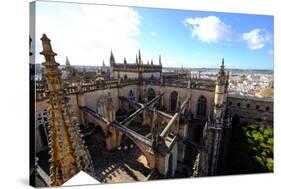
(87,33)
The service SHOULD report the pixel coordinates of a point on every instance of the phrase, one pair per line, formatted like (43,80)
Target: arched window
(201,106)
(173,101)
(151,94)
(125,77)
(248,105)
(267,108)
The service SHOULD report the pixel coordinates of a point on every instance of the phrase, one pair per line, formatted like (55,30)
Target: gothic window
(125,77)
(131,95)
(267,108)
(230,103)
(257,107)
(248,105)
(173,101)
(201,106)
(238,104)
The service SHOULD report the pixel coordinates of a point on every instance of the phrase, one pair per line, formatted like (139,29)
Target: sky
(191,39)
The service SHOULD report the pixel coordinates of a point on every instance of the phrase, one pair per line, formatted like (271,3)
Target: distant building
(136,70)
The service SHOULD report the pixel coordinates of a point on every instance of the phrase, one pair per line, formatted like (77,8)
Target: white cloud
(152,33)
(257,38)
(209,29)
(87,35)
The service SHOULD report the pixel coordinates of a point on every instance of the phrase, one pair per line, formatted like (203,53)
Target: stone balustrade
(84,86)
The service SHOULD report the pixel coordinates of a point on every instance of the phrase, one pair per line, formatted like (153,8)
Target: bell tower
(68,153)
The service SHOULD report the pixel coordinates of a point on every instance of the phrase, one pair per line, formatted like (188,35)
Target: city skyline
(87,34)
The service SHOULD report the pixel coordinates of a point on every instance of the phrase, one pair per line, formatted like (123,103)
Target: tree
(251,150)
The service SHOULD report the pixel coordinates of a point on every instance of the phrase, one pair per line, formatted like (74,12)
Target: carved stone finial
(48,52)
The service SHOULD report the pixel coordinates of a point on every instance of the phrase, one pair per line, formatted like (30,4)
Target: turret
(220,93)
(216,131)
(125,61)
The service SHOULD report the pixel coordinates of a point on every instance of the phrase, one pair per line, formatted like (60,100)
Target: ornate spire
(125,61)
(67,63)
(222,65)
(140,56)
(222,76)
(112,59)
(151,62)
(160,62)
(68,153)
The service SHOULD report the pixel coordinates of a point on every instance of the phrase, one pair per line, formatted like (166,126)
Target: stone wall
(130,75)
(155,75)
(252,110)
